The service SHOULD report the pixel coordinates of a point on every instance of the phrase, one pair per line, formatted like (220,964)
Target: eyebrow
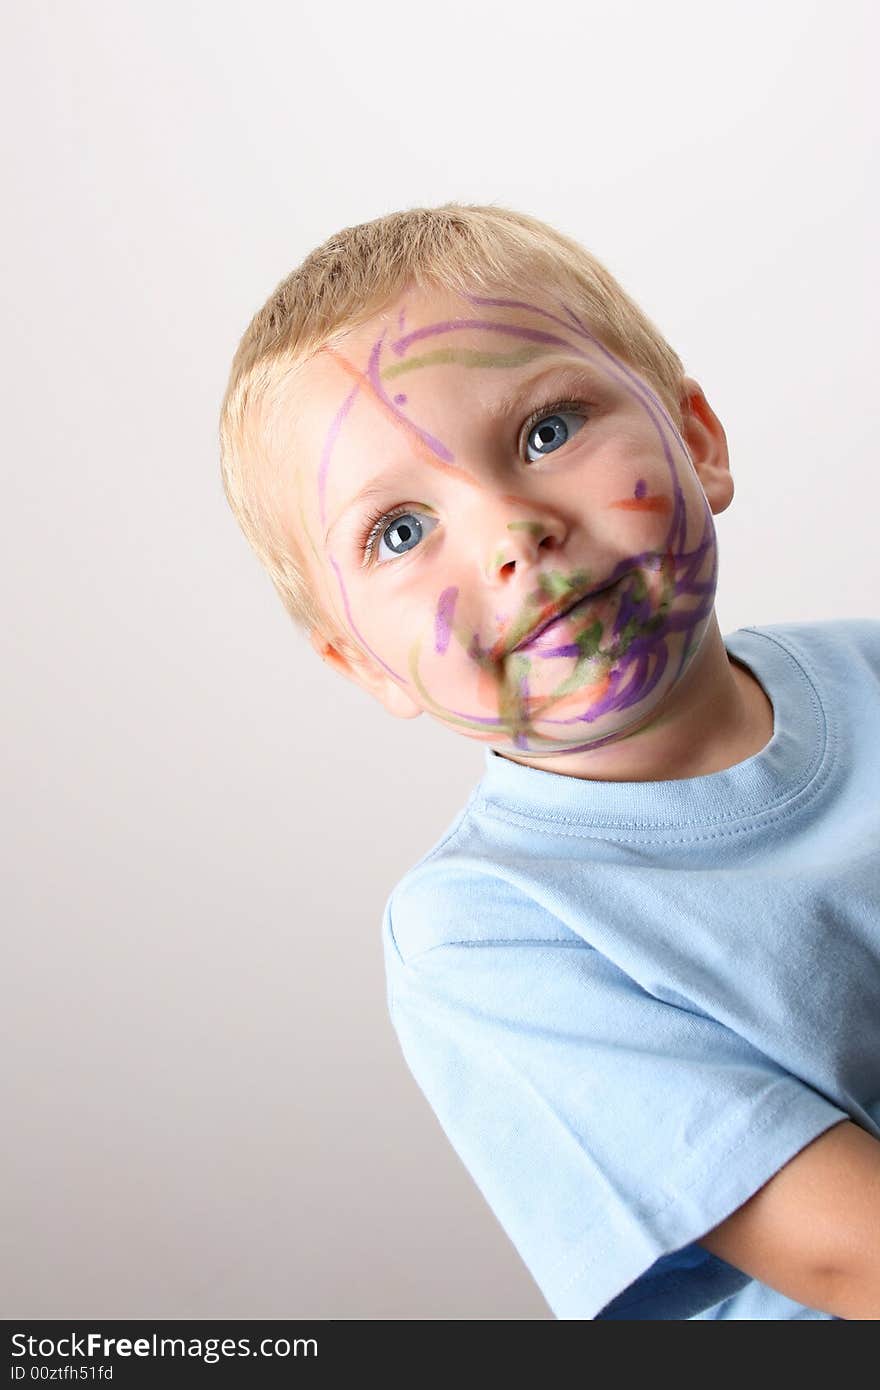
(379,484)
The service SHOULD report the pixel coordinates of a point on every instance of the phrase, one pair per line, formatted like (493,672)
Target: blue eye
(401,531)
(551,431)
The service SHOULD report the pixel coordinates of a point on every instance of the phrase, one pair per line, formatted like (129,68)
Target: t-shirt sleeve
(607,1130)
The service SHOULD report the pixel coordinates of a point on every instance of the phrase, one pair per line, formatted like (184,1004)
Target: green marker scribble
(536,527)
(556,585)
(510,705)
(553,585)
(466,357)
(439,709)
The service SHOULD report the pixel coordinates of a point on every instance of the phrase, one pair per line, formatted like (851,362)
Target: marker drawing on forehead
(532,335)
(641,387)
(468,357)
(430,450)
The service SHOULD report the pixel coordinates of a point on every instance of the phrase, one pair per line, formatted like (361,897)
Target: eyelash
(376,521)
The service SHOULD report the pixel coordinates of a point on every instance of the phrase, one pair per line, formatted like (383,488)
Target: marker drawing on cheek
(474,722)
(657,502)
(359,635)
(443,619)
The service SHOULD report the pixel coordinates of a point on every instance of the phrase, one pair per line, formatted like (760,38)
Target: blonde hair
(355,274)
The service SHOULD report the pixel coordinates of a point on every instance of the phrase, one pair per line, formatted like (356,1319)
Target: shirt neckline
(755,788)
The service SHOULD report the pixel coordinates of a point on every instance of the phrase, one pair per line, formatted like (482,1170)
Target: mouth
(546,622)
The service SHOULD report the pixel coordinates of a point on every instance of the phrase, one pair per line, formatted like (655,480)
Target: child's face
(504,518)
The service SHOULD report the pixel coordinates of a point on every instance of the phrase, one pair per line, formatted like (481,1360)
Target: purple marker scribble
(329,442)
(400,398)
(363,641)
(650,644)
(443,619)
(375,380)
(532,335)
(641,487)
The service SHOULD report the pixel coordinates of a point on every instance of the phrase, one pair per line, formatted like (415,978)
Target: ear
(703,433)
(352,663)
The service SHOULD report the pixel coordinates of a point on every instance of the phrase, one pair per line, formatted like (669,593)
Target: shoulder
(477,886)
(855,639)
(459,897)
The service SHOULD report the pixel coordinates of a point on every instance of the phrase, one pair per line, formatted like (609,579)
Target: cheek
(627,506)
(643,499)
(391,615)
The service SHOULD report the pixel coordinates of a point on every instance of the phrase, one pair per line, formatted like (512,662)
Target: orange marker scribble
(568,704)
(657,503)
(400,422)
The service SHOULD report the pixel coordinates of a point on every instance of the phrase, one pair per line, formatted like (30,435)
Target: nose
(523,537)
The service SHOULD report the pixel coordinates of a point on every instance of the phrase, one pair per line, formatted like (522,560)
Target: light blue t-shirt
(629,1004)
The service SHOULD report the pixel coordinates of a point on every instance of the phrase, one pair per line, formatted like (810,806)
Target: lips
(563,612)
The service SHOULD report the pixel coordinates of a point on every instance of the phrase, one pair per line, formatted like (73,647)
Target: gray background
(207,1112)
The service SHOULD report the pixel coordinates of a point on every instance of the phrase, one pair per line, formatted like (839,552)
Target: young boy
(637,977)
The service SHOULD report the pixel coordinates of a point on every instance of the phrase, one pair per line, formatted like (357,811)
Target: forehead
(431,342)
(388,394)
